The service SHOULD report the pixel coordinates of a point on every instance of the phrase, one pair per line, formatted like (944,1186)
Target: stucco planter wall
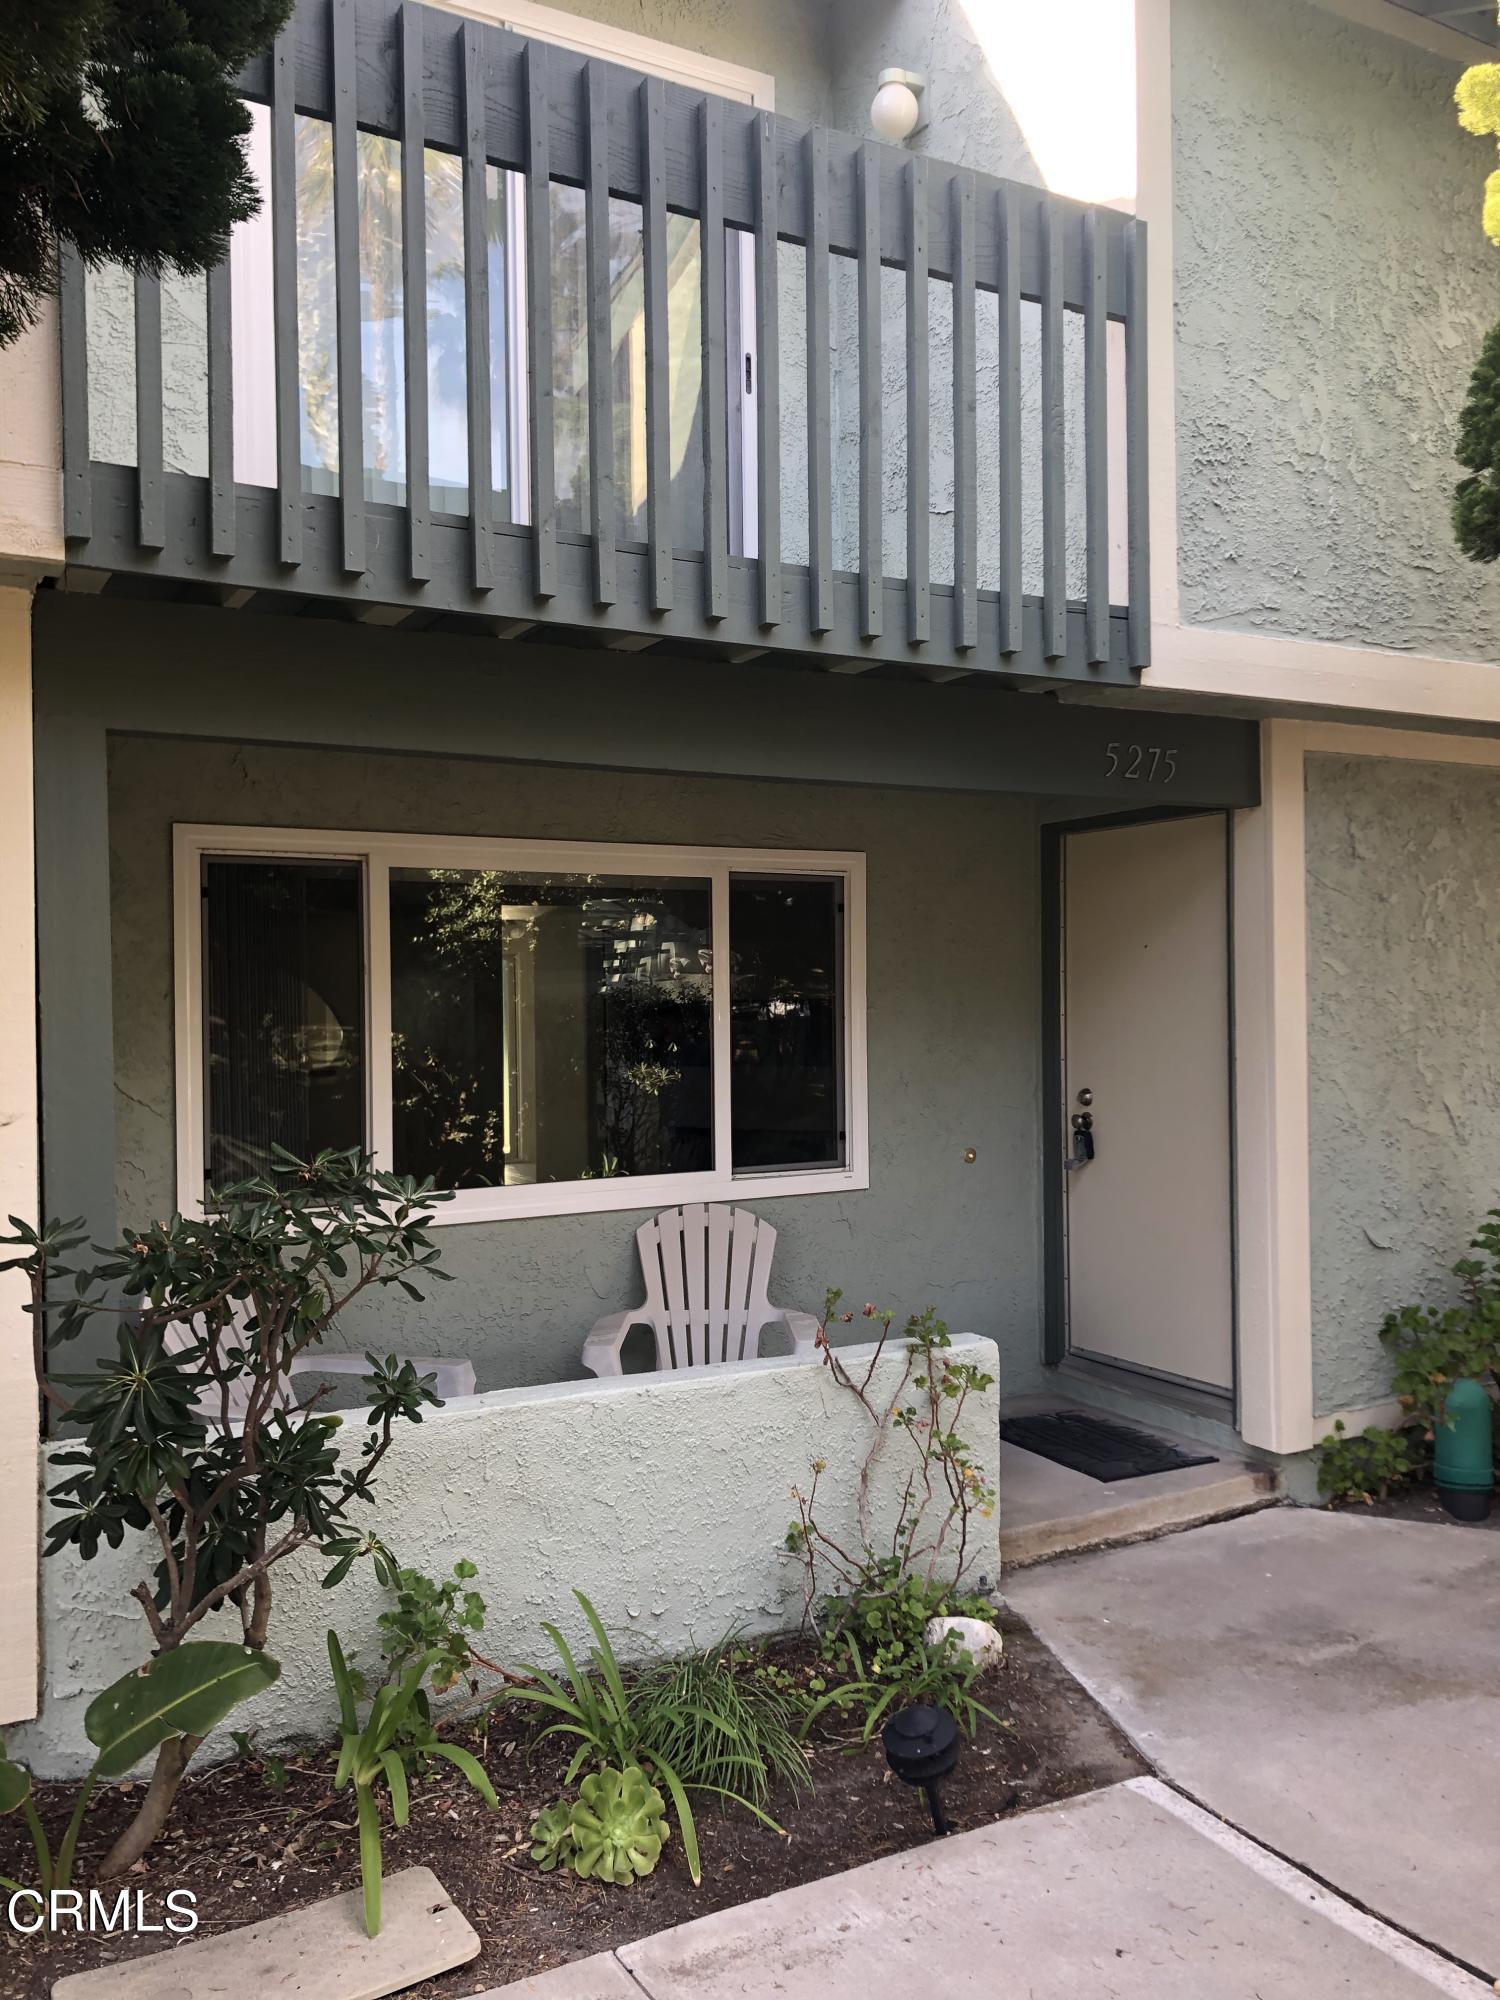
(664,1497)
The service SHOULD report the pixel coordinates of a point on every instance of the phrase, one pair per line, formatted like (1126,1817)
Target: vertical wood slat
(1054,442)
(768,362)
(284,294)
(602,518)
(1096,436)
(711,252)
(477,311)
(658,351)
(78,490)
(1008,219)
(965,398)
(819,386)
(539,322)
(918,410)
(414,295)
(871,580)
(151,516)
(1137,489)
(221,500)
(346,290)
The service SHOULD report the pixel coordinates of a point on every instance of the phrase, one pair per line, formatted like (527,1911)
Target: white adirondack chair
(454,1377)
(707,1271)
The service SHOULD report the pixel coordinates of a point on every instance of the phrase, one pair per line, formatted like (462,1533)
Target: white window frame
(742,364)
(377,854)
(623,45)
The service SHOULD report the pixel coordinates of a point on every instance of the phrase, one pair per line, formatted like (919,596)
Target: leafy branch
(189,1431)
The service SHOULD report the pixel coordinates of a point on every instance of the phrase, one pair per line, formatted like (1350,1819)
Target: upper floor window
(383,306)
(540,1028)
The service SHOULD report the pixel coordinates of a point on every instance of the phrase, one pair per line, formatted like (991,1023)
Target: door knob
(1082,1123)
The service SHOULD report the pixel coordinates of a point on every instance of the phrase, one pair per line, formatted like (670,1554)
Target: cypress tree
(120,128)
(1476,500)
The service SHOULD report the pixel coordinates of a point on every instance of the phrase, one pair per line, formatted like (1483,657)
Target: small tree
(188,1431)
(1476,497)
(120,128)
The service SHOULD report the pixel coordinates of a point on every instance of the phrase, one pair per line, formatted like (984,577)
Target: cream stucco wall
(18,1164)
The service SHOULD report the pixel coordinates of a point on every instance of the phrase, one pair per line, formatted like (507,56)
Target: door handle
(1082,1123)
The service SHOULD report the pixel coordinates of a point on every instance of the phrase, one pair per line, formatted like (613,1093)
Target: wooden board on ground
(317,1953)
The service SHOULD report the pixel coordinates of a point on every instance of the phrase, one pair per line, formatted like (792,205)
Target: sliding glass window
(535,1028)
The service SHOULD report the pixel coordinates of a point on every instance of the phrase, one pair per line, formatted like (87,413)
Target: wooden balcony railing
(855,403)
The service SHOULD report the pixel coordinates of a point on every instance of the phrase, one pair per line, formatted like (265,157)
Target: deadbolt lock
(1085,1096)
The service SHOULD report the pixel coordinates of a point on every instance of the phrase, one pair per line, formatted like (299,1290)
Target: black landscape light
(921,1746)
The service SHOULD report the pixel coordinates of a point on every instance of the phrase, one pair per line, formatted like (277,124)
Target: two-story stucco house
(976,614)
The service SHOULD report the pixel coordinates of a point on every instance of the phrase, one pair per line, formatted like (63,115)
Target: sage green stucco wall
(1403,930)
(1332,286)
(953,1031)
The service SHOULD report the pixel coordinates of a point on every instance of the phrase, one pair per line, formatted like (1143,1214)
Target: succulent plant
(618,1825)
(552,1836)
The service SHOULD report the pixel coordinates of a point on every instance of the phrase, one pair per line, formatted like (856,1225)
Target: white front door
(1146,1081)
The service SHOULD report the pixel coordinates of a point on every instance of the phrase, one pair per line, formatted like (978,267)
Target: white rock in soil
(975,1637)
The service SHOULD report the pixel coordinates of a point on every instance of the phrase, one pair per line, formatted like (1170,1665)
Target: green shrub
(868,1606)
(1432,1347)
(208,1313)
(1368,1466)
(437,1619)
(876,1642)
(889,1618)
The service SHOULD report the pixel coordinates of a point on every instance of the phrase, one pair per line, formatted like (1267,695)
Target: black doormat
(1093,1445)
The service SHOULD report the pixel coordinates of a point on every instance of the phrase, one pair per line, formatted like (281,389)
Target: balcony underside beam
(113,546)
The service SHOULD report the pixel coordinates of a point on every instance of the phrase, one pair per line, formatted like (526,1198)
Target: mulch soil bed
(248,1849)
(1417,1503)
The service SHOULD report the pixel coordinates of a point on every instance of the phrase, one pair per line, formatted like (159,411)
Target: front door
(1147,1244)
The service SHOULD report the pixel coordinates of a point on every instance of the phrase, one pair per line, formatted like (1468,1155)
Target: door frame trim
(1055,1350)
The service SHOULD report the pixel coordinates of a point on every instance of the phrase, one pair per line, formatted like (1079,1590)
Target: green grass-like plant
(394,1729)
(721,1729)
(648,1722)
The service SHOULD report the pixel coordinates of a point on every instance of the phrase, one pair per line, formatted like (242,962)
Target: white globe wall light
(897,109)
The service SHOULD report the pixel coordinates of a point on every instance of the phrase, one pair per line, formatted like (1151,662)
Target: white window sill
(654,1191)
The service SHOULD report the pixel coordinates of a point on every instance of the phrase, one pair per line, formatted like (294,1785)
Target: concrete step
(1049,1510)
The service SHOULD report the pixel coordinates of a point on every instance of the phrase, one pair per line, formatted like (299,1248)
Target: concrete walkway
(1328,1683)
(1128,1894)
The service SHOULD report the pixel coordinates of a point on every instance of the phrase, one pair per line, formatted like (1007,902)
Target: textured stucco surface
(1403,928)
(663,1498)
(786,39)
(1332,286)
(953,943)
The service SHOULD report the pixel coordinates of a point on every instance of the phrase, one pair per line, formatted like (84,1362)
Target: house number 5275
(1146,763)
